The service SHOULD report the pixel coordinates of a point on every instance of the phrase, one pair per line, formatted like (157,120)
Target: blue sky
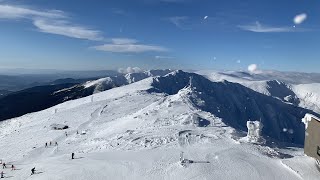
(186,34)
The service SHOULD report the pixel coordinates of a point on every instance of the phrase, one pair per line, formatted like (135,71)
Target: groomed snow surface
(131,133)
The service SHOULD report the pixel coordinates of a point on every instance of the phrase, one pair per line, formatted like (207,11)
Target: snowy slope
(300,89)
(309,95)
(137,131)
(264,75)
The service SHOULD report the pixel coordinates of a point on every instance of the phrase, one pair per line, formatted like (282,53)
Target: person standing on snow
(4,165)
(72,155)
(33,170)
(2,174)
(13,168)
(46,145)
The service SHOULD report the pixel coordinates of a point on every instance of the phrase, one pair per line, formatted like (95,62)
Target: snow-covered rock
(59,126)
(254,132)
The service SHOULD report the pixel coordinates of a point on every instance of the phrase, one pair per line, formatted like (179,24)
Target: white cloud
(238,61)
(163,57)
(123,41)
(57,22)
(252,67)
(49,21)
(66,29)
(17,12)
(298,19)
(129,48)
(130,70)
(206,17)
(258,27)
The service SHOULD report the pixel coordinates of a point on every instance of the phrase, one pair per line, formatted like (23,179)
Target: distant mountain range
(20,79)
(14,104)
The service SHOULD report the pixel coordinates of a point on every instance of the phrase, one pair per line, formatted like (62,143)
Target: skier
(56,143)
(13,168)
(33,170)
(66,134)
(46,145)
(2,176)
(50,143)
(4,165)
(72,155)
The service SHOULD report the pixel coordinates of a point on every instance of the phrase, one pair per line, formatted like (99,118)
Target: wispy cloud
(64,28)
(130,70)
(49,21)
(17,12)
(127,45)
(130,48)
(179,21)
(123,41)
(163,57)
(58,23)
(259,28)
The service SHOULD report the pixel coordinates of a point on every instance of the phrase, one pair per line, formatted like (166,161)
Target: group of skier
(51,143)
(33,170)
(4,166)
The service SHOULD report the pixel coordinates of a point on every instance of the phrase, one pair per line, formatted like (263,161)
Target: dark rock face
(38,98)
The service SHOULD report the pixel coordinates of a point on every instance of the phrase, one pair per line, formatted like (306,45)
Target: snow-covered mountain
(42,97)
(236,104)
(138,131)
(264,75)
(300,89)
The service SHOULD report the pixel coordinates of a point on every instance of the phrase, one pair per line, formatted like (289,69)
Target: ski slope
(135,132)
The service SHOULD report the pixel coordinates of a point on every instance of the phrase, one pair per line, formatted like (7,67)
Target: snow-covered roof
(309,117)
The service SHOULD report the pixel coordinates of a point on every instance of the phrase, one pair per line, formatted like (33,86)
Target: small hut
(312,137)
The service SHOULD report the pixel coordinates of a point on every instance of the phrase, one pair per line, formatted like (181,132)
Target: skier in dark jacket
(33,170)
(2,174)
(72,155)
(4,165)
